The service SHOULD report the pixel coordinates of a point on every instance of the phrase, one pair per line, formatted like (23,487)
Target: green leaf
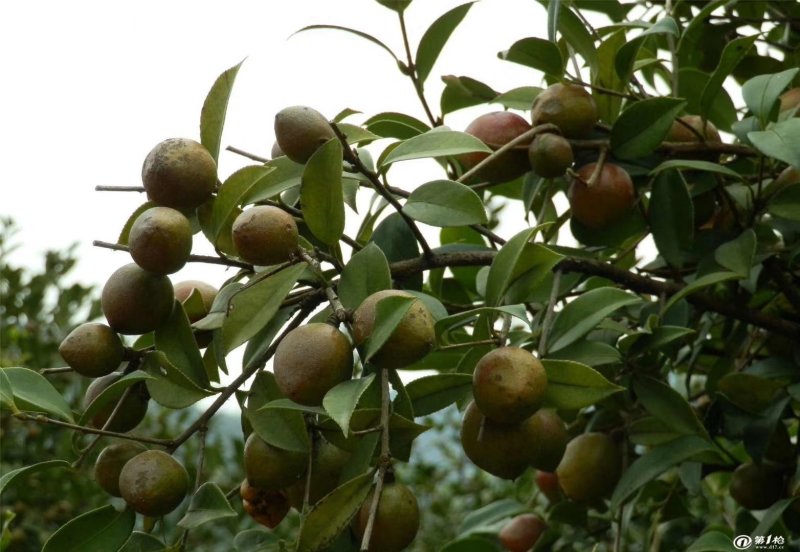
(518,98)
(712,541)
(461,92)
(517,257)
(142,542)
(582,315)
(356,134)
(100,530)
(32,392)
(761,92)
(395,5)
(553,10)
(398,243)
(389,312)
(331,515)
(593,353)
(734,52)
(656,462)
(175,339)
(445,203)
(538,54)
(353,31)
(779,141)
(285,174)
(215,107)
(440,142)
(687,164)
(772,516)
(434,39)
(9,477)
(280,427)
(671,216)
(575,33)
(255,305)
(230,196)
(650,431)
(172,389)
(256,540)
(489,514)
(690,51)
(341,401)
(642,127)
(698,284)
(722,112)
(668,406)
(738,255)
(458,320)
(321,194)
(6,393)
(605,76)
(572,385)
(366,272)
(430,394)
(208,503)
(623,62)
(395,125)
(786,203)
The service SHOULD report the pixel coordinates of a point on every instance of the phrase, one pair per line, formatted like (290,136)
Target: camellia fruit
(550,155)
(131,412)
(755,486)
(179,173)
(508,384)
(270,468)
(495,130)
(590,468)
(109,464)
(396,520)
(607,200)
(135,301)
(153,483)
(265,235)
(92,350)
(160,240)
(300,131)
(522,532)
(266,507)
(568,106)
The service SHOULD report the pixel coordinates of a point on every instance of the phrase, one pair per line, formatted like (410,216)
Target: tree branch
(209,259)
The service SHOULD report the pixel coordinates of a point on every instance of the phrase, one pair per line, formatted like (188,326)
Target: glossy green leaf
(288,404)
(331,515)
(650,431)
(440,142)
(361,34)
(255,305)
(722,112)
(761,92)
(341,401)
(605,76)
(445,203)
(470,544)
(575,33)
(6,393)
(395,5)
(623,62)
(553,12)
(572,385)
(518,98)
(365,273)
(671,217)
(434,39)
(489,514)
(9,477)
(321,194)
(32,392)
(712,541)
(463,91)
(582,315)
(536,53)
(256,540)
(208,503)
(656,462)
(667,405)
(280,427)
(100,530)
(231,194)
(142,542)
(167,385)
(734,52)
(772,516)
(738,255)
(698,284)
(215,107)
(691,165)
(175,339)
(689,49)
(114,391)
(779,141)
(395,125)
(430,394)
(284,175)
(389,312)
(786,203)
(458,320)
(593,353)
(356,134)
(397,241)
(643,126)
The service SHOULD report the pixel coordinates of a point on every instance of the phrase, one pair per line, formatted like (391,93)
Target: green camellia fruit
(550,155)
(153,483)
(179,173)
(265,235)
(92,350)
(549,439)
(590,468)
(606,201)
(509,384)
(135,301)
(109,464)
(271,468)
(300,131)
(160,240)
(310,361)
(755,486)
(568,106)
(495,130)
(396,520)
(502,450)
(412,339)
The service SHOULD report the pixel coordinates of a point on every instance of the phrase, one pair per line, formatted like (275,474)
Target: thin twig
(60,370)
(41,419)
(139,189)
(330,293)
(412,72)
(247,154)
(209,259)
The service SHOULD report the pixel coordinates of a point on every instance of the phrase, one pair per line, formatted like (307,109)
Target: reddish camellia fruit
(494,130)
(266,507)
(548,484)
(606,201)
(522,532)
(790,100)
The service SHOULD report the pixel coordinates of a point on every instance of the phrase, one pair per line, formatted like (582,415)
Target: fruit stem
(469,344)
(598,168)
(336,305)
(60,370)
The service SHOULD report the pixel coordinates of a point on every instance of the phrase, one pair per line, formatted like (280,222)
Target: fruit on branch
(266,507)
(522,532)
(497,129)
(184,290)
(160,240)
(300,131)
(153,483)
(92,350)
(550,155)
(412,339)
(508,384)
(396,520)
(602,202)
(179,173)
(757,486)
(270,468)
(692,129)
(568,106)
(548,484)
(135,301)
(265,235)
(791,100)
(109,464)
(310,361)
(131,412)
(326,468)
(549,439)
(591,467)
(502,450)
